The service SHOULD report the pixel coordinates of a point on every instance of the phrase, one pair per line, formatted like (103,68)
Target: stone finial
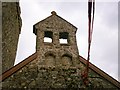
(53,13)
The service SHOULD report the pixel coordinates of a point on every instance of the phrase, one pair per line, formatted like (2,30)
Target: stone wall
(32,76)
(0,40)
(0,37)
(56,65)
(55,27)
(11,26)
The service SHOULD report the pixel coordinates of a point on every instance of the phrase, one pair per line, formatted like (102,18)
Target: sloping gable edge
(20,65)
(34,30)
(17,67)
(100,72)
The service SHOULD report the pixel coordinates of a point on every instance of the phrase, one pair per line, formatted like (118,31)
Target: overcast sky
(104,49)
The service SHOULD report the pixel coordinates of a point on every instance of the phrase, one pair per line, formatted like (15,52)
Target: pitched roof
(20,65)
(17,67)
(51,16)
(100,72)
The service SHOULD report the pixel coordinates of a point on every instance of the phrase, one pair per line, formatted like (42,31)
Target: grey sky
(104,49)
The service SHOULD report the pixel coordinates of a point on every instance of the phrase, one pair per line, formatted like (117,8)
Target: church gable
(32,76)
(54,22)
(55,52)
(55,65)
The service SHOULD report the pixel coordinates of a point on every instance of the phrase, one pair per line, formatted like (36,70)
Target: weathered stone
(11,26)
(57,65)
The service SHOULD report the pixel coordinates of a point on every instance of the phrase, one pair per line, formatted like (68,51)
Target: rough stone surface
(0,37)
(11,26)
(32,76)
(0,40)
(56,53)
(57,65)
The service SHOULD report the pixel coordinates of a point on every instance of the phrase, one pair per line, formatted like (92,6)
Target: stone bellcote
(62,49)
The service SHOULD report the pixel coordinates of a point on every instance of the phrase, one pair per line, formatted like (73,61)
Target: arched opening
(50,60)
(66,60)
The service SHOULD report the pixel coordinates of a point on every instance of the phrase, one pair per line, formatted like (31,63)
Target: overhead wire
(91,6)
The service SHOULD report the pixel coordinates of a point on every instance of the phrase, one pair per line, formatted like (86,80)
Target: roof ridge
(17,67)
(34,30)
(26,61)
(101,72)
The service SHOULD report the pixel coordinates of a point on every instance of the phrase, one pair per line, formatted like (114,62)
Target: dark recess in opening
(48,36)
(63,37)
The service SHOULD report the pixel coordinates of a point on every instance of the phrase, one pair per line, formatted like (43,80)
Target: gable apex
(54,20)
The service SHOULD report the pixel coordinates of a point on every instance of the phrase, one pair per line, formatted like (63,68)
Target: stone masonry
(32,76)
(57,65)
(0,37)
(11,26)
(56,53)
